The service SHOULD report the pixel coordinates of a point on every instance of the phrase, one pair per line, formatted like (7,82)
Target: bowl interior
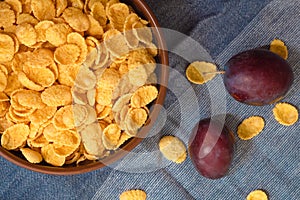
(142,9)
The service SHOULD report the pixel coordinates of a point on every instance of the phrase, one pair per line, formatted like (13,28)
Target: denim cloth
(269,161)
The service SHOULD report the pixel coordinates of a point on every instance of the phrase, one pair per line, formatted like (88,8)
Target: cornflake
(15,136)
(7,17)
(135,119)
(49,155)
(40,116)
(111,136)
(40,76)
(277,46)
(257,195)
(26,34)
(27,18)
(131,38)
(142,32)
(117,14)
(57,34)
(76,38)
(3,81)
(143,96)
(60,5)
(31,155)
(15,5)
(133,195)
(115,43)
(67,54)
(250,127)
(98,12)
(76,19)
(7,47)
(43,10)
(92,140)
(4,106)
(57,95)
(200,72)
(286,114)
(172,149)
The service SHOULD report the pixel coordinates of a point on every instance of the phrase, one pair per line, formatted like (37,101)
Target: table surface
(214,31)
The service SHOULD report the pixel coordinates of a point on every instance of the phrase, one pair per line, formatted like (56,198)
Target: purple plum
(258,77)
(211,148)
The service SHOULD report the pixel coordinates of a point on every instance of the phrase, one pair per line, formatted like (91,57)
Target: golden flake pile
(75,78)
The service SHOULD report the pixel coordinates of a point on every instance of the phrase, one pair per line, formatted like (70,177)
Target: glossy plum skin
(258,77)
(211,148)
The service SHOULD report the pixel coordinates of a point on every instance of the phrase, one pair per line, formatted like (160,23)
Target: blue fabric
(269,161)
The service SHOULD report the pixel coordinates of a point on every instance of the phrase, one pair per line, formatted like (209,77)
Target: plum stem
(217,72)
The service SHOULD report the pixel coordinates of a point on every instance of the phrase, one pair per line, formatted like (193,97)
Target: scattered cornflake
(257,195)
(250,127)
(200,72)
(13,83)
(133,195)
(277,46)
(3,97)
(123,138)
(286,114)
(109,78)
(172,149)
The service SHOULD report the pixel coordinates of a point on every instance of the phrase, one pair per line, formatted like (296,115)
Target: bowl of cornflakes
(80,82)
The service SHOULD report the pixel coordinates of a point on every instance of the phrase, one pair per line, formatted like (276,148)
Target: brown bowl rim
(142,8)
